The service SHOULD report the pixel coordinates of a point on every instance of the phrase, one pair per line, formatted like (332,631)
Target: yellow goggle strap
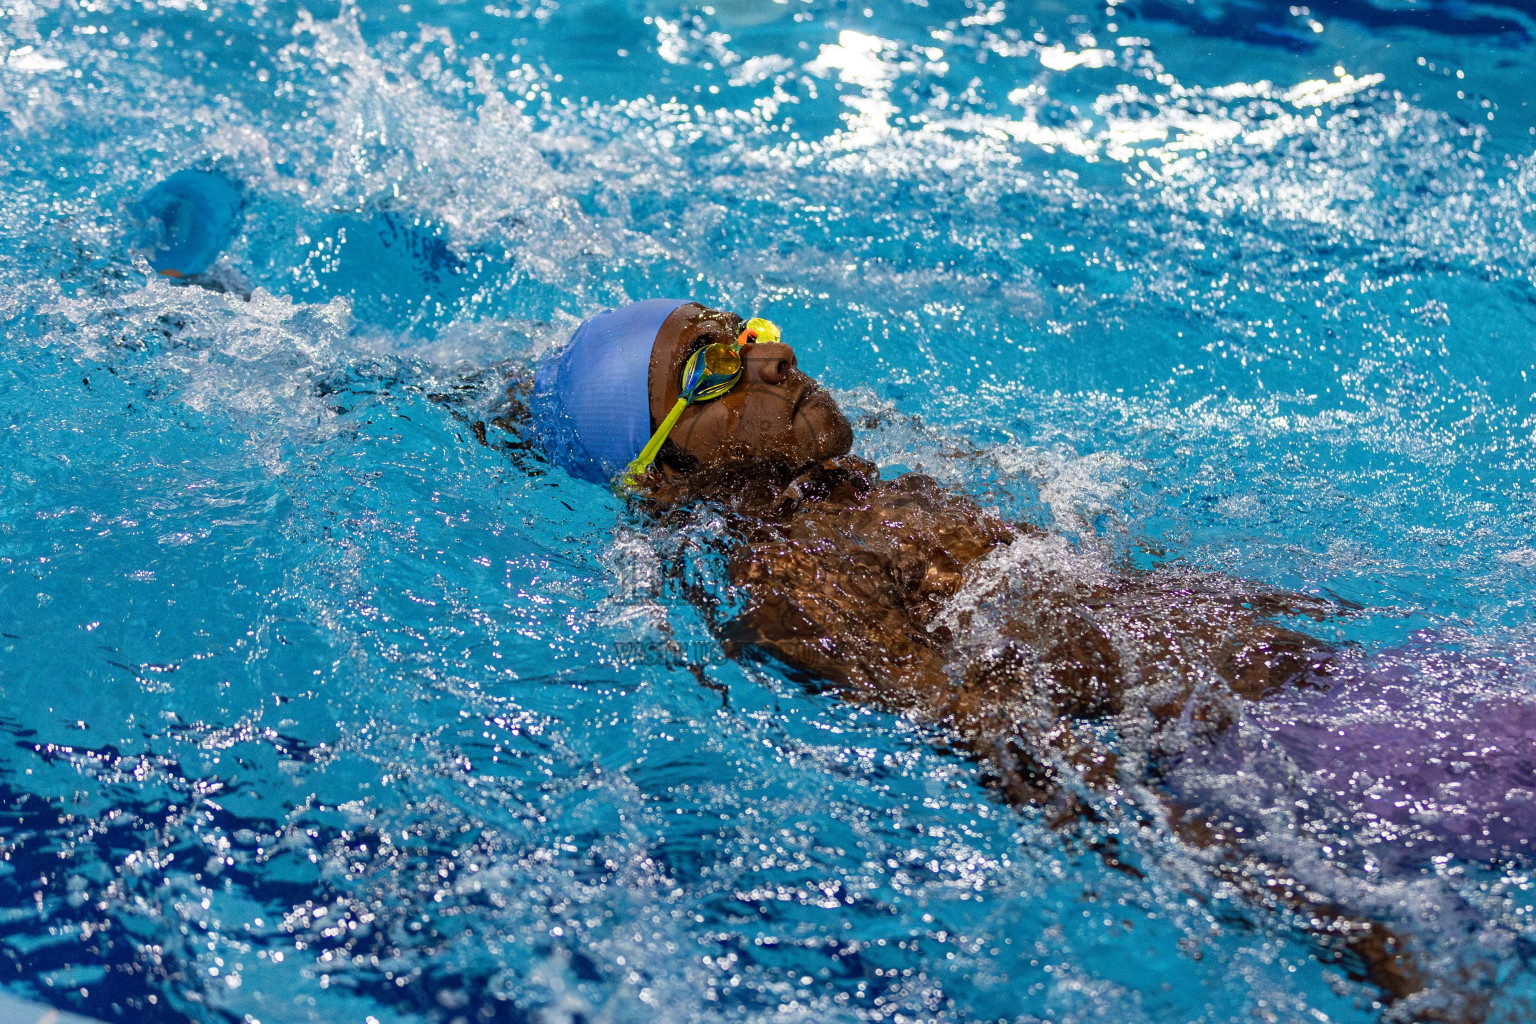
(642,462)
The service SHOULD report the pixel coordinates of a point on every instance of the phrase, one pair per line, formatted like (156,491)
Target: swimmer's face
(774,411)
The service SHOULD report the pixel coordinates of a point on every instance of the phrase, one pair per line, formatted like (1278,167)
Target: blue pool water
(316,709)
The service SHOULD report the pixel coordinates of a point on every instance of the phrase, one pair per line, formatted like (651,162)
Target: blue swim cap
(186,221)
(591,403)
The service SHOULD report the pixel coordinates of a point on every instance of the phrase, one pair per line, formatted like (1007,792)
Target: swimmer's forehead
(705,318)
(691,328)
(688,329)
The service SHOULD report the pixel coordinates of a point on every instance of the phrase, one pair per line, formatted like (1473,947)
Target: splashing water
(318,710)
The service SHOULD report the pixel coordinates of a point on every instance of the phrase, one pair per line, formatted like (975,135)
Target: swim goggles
(709,373)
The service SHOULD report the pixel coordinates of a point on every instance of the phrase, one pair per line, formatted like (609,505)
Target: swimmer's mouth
(811,391)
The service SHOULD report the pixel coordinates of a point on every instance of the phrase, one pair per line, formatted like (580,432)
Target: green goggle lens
(711,372)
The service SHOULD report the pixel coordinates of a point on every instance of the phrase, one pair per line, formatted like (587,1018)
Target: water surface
(316,709)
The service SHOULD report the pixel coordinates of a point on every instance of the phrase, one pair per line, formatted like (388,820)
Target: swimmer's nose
(768,363)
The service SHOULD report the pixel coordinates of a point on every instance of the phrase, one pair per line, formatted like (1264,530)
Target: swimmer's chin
(832,434)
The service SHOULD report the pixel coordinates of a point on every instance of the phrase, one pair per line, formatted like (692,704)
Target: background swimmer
(183,224)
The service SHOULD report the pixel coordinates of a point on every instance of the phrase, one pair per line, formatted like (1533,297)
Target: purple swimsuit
(1412,753)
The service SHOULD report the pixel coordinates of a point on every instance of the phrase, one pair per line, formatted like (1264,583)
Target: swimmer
(182,225)
(877,591)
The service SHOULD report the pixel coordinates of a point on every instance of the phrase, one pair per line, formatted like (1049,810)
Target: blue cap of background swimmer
(591,403)
(186,220)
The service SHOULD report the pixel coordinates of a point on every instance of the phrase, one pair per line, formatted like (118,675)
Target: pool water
(317,709)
